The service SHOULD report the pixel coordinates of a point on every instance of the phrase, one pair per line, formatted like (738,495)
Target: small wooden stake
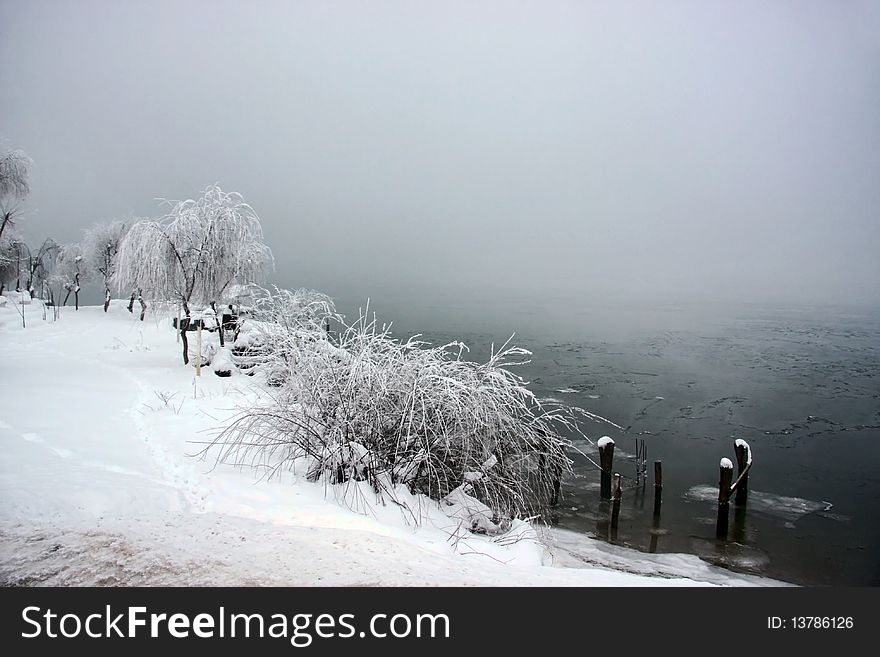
(724,481)
(606,462)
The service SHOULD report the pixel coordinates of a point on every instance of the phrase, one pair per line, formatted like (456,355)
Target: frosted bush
(370,407)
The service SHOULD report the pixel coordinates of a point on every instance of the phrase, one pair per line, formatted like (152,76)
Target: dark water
(801,385)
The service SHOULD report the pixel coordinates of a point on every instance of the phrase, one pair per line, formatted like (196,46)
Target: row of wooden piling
(610,488)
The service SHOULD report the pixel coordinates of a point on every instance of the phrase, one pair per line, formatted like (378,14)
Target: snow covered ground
(101,484)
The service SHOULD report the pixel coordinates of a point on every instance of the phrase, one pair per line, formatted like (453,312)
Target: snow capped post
(743,461)
(726,472)
(606,461)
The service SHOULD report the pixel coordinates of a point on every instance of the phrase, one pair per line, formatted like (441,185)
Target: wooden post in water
(658,501)
(658,486)
(724,481)
(603,519)
(743,456)
(615,503)
(615,507)
(739,523)
(606,462)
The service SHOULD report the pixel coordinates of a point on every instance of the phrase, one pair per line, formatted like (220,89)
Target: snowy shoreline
(100,424)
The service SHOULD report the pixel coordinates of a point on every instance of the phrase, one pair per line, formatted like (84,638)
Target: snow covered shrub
(278,323)
(370,407)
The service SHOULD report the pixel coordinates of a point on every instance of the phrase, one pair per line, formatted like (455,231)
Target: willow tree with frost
(40,265)
(100,249)
(15,167)
(70,271)
(195,252)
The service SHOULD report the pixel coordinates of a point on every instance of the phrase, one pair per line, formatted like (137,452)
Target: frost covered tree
(15,167)
(71,271)
(41,264)
(100,247)
(13,261)
(195,252)
(8,268)
(28,270)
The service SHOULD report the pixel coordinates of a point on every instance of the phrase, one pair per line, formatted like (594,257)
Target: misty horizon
(619,153)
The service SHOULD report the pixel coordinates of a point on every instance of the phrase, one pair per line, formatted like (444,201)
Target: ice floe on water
(572,549)
(780,506)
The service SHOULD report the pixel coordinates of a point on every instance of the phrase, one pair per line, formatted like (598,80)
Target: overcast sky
(612,151)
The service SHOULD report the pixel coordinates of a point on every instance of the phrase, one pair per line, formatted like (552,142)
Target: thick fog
(609,151)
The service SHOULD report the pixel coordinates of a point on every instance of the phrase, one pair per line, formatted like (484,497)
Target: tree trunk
(66,296)
(106,298)
(6,218)
(143,307)
(218,320)
(183,325)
